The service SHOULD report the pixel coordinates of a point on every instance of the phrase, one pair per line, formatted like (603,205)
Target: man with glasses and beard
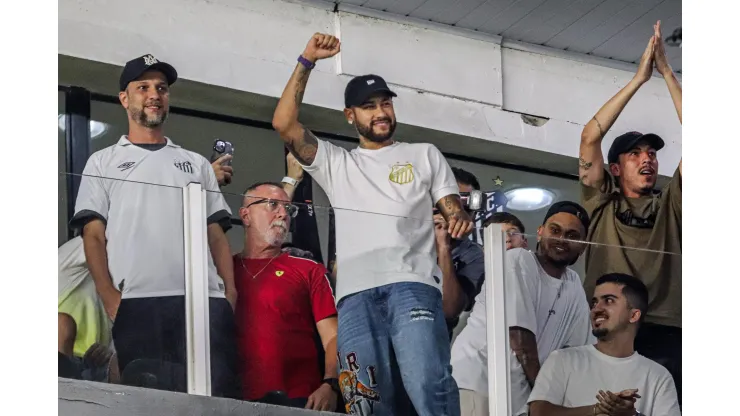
(129,208)
(392,338)
(283,301)
(608,378)
(546,309)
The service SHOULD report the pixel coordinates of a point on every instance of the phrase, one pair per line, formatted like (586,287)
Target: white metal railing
(497,333)
(196,290)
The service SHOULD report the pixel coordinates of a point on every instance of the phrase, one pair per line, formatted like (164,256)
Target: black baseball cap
(136,67)
(571,208)
(359,89)
(628,141)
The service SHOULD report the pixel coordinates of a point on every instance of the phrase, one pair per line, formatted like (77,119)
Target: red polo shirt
(279,304)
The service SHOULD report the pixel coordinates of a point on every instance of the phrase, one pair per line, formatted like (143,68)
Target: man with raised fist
(393,345)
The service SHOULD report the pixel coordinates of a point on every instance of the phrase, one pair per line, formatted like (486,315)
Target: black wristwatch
(333,383)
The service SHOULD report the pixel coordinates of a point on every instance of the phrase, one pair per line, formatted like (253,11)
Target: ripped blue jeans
(394,352)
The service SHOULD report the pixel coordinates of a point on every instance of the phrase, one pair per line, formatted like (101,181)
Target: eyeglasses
(274,205)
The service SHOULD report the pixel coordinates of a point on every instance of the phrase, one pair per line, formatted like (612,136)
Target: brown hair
(504,218)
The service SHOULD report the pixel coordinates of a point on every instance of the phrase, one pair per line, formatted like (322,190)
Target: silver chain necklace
(551,312)
(254,276)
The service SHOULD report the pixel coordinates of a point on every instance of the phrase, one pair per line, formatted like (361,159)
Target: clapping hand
(659,55)
(620,404)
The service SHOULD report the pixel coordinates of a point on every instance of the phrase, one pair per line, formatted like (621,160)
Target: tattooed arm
(591,159)
(459,222)
(300,141)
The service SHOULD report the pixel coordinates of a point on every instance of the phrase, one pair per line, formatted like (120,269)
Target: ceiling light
(97,128)
(529,199)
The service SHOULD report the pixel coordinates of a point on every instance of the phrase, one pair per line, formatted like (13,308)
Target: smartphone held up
(220,148)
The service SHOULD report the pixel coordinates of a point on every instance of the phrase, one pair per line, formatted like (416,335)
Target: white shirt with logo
(555,310)
(572,377)
(382,201)
(138,193)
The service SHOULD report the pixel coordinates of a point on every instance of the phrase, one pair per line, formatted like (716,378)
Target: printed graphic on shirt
(402,173)
(279,273)
(186,167)
(359,399)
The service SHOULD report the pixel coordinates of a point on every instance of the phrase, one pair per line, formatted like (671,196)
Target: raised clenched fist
(321,46)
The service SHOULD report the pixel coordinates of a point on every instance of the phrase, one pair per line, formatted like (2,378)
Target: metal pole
(196,290)
(497,333)
(78,143)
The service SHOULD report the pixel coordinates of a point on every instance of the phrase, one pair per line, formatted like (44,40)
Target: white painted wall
(447,80)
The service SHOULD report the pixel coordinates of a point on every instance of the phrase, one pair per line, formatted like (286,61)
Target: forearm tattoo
(301,82)
(583,164)
(450,205)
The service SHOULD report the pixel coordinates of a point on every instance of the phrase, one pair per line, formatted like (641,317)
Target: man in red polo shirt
(283,301)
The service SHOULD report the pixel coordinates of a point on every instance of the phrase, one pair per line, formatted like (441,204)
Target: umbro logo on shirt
(186,167)
(126,166)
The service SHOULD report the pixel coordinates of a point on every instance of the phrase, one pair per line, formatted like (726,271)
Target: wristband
(289,181)
(333,383)
(305,62)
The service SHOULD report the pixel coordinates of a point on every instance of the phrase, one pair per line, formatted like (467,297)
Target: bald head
(264,190)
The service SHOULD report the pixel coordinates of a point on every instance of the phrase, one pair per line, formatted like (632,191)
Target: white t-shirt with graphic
(138,194)
(572,377)
(531,295)
(382,202)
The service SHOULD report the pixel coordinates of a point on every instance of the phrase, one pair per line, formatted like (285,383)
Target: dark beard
(545,252)
(648,190)
(142,119)
(600,332)
(367,132)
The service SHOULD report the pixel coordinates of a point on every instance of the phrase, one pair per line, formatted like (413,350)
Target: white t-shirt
(530,296)
(79,299)
(72,266)
(572,377)
(138,193)
(382,202)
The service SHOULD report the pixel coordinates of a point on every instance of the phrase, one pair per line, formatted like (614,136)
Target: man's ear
(244,215)
(614,169)
(123,98)
(539,233)
(349,116)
